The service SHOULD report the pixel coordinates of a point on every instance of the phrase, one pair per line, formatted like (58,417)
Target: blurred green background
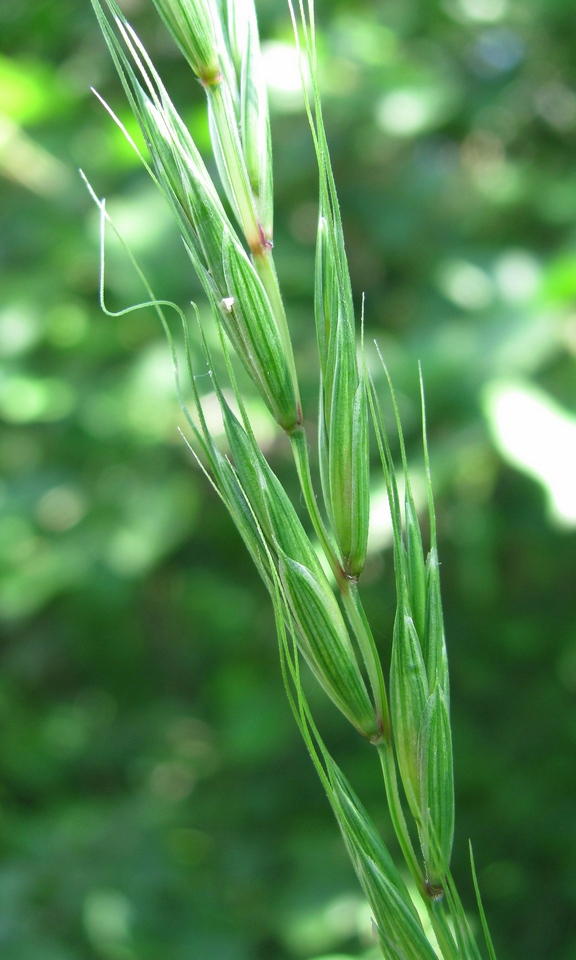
(155,800)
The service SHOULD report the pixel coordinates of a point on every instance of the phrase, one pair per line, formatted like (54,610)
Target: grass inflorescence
(318,608)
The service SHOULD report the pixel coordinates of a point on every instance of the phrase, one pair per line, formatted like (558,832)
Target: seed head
(320,630)
(197,33)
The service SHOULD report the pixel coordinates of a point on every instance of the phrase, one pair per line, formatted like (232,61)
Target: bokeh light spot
(106,917)
(18,329)
(404,113)
(465,284)
(535,434)
(281,69)
(26,400)
(518,275)
(60,508)
(483,11)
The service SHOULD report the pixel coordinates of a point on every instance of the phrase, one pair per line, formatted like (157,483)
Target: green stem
(264,263)
(223,116)
(442,931)
(302,460)
(366,642)
(435,910)
(348,588)
(222,112)
(386,755)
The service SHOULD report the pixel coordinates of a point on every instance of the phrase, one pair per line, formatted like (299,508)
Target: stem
(264,263)
(435,910)
(348,588)
(442,931)
(302,460)
(397,815)
(366,642)
(222,112)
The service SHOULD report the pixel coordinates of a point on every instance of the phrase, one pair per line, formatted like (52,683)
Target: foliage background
(155,800)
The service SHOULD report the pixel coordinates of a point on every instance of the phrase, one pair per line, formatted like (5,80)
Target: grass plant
(317,602)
